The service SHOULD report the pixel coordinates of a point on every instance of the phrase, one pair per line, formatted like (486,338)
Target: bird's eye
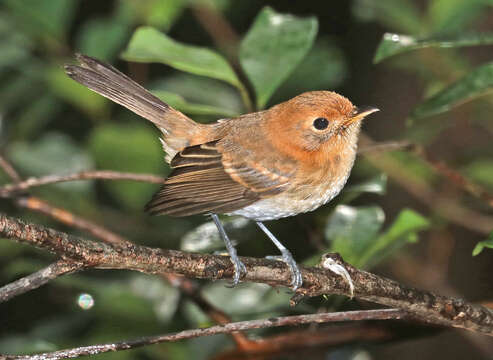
(320,123)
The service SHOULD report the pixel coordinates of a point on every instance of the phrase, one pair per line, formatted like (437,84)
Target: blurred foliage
(488,243)
(354,232)
(272,48)
(394,44)
(51,125)
(150,45)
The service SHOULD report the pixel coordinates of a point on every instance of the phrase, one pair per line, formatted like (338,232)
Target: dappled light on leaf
(205,237)
(394,44)
(179,103)
(150,45)
(127,148)
(52,153)
(354,232)
(272,48)
(352,229)
(477,83)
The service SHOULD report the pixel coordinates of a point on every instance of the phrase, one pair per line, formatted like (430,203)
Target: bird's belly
(305,198)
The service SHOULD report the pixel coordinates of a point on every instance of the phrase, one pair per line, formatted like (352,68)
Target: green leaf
(353,232)
(404,229)
(74,93)
(102,38)
(481,170)
(15,49)
(163,295)
(21,344)
(33,118)
(376,185)
(203,90)
(53,153)
(476,83)
(160,14)
(43,18)
(393,44)
(179,103)
(324,67)
(149,45)
(272,49)
(9,249)
(400,15)
(416,170)
(205,237)
(352,229)
(488,243)
(127,148)
(451,16)
(246,299)
(20,89)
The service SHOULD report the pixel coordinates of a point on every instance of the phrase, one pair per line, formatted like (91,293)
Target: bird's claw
(287,258)
(297,278)
(239,271)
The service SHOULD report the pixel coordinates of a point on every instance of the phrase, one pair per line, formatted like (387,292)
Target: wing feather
(206,180)
(198,184)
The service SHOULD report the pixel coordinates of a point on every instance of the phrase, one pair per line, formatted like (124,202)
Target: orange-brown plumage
(289,159)
(262,165)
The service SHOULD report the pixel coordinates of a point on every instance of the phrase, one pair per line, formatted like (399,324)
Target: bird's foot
(297,278)
(239,271)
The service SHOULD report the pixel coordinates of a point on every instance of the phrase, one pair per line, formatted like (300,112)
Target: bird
(289,159)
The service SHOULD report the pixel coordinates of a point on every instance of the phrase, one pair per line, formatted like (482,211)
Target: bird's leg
(239,267)
(297,279)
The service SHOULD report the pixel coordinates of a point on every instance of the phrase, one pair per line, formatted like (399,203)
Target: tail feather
(178,130)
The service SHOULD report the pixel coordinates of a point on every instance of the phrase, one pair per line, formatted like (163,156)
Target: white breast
(289,204)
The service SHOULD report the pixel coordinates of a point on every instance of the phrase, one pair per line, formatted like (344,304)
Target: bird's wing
(206,180)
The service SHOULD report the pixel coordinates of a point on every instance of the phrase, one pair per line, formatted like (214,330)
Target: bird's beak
(360,113)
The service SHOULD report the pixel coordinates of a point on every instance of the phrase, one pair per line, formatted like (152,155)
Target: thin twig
(275,346)
(190,289)
(424,305)
(7,190)
(296,320)
(70,219)
(224,36)
(9,169)
(226,39)
(456,177)
(385,146)
(448,208)
(38,279)
(64,216)
(67,218)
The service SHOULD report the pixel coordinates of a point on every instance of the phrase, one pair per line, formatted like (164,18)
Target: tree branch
(384,146)
(38,279)
(20,185)
(7,190)
(424,305)
(33,203)
(322,338)
(9,169)
(296,320)
(70,219)
(455,177)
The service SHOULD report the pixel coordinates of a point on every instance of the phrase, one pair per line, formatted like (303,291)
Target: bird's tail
(178,130)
